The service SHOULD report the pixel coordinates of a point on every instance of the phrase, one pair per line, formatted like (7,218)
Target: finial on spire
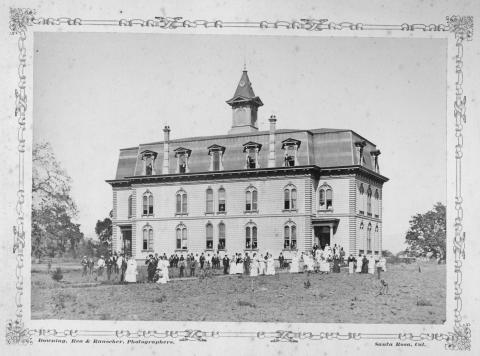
(244,63)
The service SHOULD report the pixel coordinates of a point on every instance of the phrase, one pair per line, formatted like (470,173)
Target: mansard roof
(320,147)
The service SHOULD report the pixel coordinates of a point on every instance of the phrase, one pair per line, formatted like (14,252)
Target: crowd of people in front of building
(318,260)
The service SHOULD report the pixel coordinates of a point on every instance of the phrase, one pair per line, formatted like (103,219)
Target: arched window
(290,197)
(221,200)
(369,201)
(209,200)
(369,238)
(209,236)
(221,236)
(181,205)
(325,197)
(251,236)
(361,204)
(251,199)
(181,235)
(290,236)
(147,238)
(130,206)
(147,203)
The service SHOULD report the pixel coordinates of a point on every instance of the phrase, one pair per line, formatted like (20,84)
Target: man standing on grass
(246,265)
(115,266)
(90,265)
(84,266)
(281,259)
(123,268)
(151,267)
(226,263)
(181,264)
(109,264)
(202,260)
(193,265)
(101,265)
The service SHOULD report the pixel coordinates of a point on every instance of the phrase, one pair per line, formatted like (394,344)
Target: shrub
(243,303)
(423,302)
(57,275)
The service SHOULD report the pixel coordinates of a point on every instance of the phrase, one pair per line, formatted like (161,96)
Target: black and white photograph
(240,179)
(229,177)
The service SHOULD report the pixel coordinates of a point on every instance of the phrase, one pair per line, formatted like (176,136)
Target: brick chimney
(166,151)
(271,152)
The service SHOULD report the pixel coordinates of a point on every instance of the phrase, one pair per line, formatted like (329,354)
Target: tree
(53,209)
(427,233)
(103,229)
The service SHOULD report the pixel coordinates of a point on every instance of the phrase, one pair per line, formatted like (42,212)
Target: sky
(95,93)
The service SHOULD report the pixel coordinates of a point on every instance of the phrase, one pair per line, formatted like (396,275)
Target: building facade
(249,190)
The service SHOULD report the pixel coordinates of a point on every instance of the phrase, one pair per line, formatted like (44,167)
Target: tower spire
(244,105)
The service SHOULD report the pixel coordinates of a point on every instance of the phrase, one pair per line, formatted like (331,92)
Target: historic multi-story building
(276,190)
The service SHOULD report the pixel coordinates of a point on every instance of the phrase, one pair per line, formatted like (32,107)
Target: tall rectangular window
(221,200)
(209,236)
(209,200)
(221,236)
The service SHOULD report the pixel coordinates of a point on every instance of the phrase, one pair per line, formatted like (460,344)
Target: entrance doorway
(322,236)
(126,240)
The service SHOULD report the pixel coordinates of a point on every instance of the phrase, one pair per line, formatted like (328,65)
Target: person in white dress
(165,265)
(161,274)
(232,264)
(310,262)
(371,265)
(324,265)
(240,264)
(261,265)
(270,265)
(294,263)
(131,274)
(383,264)
(254,266)
(359,264)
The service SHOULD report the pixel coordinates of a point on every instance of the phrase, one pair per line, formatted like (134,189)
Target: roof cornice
(249,173)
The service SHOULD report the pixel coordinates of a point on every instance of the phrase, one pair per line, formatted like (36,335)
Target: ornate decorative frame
(461,27)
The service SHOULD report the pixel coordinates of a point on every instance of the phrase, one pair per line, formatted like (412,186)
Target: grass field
(414,297)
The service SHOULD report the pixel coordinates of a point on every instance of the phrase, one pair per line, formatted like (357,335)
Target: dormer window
(290,146)
(148,158)
(216,157)
(251,150)
(182,155)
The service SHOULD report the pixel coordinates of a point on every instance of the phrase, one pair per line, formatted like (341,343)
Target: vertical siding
(115,237)
(352,194)
(308,210)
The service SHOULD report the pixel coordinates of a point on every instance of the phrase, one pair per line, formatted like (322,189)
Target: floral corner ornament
(17,334)
(19,20)
(460,339)
(462,26)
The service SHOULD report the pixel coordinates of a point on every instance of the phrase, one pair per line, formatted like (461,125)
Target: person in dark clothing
(123,269)
(115,266)
(109,263)
(193,265)
(181,264)
(84,265)
(202,260)
(151,267)
(226,263)
(336,264)
(246,264)
(90,265)
(364,264)
(281,260)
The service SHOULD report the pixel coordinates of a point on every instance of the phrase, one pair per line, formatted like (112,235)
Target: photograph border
(459,27)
